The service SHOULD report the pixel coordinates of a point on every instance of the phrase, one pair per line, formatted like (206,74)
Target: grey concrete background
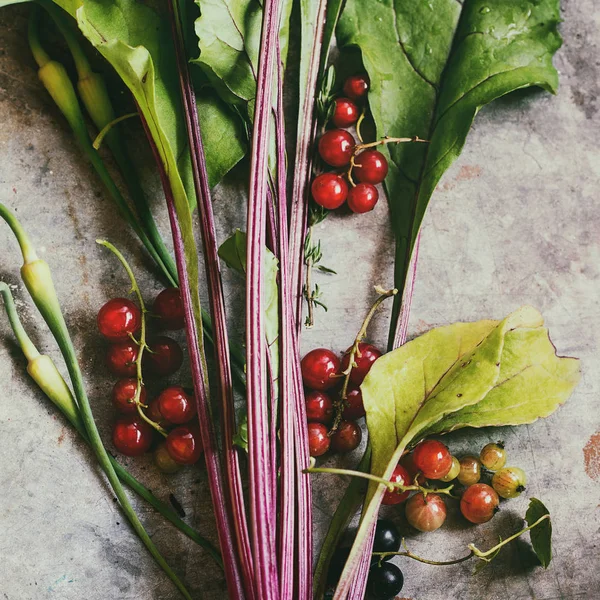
(514,221)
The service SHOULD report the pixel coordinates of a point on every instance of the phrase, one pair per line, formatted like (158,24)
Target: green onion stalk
(37,278)
(55,79)
(94,95)
(43,371)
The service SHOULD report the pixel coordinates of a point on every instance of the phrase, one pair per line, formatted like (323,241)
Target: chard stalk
(234,490)
(38,280)
(261,508)
(43,371)
(194,335)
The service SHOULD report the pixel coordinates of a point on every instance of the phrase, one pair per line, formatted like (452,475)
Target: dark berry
(370,167)
(319,408)
(347,437)
(385,581)
(118,319)
(336,565)
(123,394)
(329,190)
(357,86)
(345,112)
(318,440)
(362,198)
(132,436)
(163,357)
(336,147)
(176,405)
(364,358)
(121,357)
(168,307)
(354,408)
(387,537)
(319,368)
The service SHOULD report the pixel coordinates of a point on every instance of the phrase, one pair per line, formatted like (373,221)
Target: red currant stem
(484,555)
(354,352)
(359,123)
(391,485)
(107,128)
(141,342)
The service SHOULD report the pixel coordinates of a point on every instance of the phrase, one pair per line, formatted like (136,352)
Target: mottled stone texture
(514,221)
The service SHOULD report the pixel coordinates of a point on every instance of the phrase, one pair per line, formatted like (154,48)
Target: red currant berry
(345,112)
(432,458)
(163,461)
(357,86)
(123,394)
(426,513)
(401,476)
(318,440)
(121,357)
(479,503)
(176,406)
(119,318)
(354,408)
(154,414)
(329,190)
(319,367)
(365,357)
(131,435)
(371,167)
(336,147)
(168,307)
(347,437)
(319,408)
(407,461)
(184,445)
(163,358)
(362,198)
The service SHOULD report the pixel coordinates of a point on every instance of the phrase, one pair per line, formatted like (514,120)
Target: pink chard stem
(261,505)
(234,491)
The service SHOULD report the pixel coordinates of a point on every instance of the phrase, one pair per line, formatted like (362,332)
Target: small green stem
(105,130)
(354,352)
(142,341)
(408,554)
(27,249)
(30,351)
(484,555)
(391,485)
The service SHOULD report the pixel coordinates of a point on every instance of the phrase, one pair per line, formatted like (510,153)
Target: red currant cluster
(119,321)
(338,149)
(332,424)
(432,460)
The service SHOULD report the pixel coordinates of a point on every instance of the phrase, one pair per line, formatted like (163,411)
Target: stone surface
(514,221)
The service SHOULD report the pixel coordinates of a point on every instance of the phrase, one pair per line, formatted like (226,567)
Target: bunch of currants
(119,321)
(338,149)
(331,418)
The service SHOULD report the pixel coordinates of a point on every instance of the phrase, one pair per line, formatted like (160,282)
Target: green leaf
(541,535)
(533,383)
(452,370)
(432,66)
(229,40)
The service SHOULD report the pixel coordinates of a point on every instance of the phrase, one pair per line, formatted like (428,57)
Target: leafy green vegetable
(432,66)
(229,40)
(438,382)
(541,535)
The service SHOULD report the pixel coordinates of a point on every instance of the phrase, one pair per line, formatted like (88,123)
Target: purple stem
(359,583)
(209,440)
(234,490)
(261,508)
(303,163)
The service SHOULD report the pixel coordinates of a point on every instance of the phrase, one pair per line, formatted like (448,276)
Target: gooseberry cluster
(431,460)
(119,321)
(331,417)
(338,149)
